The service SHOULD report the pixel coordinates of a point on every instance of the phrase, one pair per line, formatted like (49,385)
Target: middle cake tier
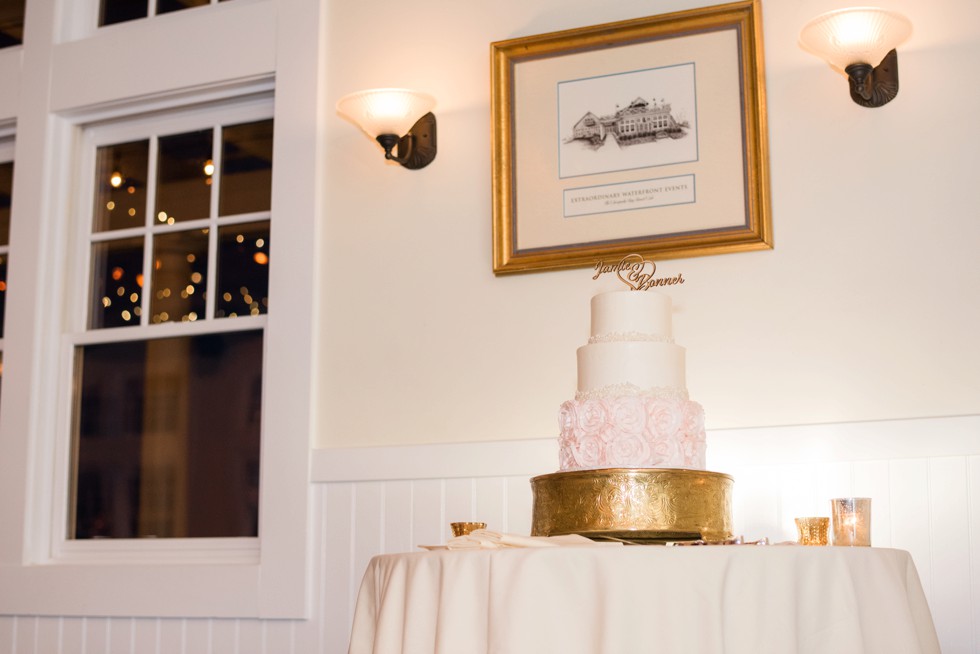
(646,365)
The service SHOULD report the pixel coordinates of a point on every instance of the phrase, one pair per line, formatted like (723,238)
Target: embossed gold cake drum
(634,504)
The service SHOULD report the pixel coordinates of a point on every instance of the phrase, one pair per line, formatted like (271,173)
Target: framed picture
(644,136)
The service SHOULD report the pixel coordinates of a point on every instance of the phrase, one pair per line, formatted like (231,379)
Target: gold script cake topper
(636,272)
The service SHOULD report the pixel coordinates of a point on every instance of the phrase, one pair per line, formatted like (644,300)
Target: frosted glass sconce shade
(860,42)
(395,117)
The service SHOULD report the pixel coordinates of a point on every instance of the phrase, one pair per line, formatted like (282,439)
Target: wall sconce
(860,43)
(396,117)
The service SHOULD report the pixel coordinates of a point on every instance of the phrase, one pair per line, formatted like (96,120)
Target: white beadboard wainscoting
(923,476)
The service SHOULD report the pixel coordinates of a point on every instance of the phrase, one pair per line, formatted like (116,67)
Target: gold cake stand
(637,505)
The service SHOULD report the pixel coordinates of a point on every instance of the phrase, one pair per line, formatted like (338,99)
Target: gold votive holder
(812,531)
(851,518)
(465,528)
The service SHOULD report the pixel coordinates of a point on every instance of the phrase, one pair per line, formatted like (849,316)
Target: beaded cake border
(621,337)
(632,390)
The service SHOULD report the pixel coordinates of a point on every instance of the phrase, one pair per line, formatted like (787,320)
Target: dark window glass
(117,283)
(6,188)
(180,268)
(246,168)
(120,186)
(184,170)
(120,11)
(11,22)
(243,270)
(167,437)
(166,6)
(3,290)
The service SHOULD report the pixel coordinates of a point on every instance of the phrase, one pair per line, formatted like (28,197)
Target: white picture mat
(719,170)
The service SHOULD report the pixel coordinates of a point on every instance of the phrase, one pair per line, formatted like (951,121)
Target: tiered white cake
(632,443)
(632,408)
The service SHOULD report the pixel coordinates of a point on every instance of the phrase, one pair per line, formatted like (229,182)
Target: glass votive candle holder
(852,521)
(812,531)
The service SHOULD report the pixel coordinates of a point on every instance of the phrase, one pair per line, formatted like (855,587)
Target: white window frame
(266,45)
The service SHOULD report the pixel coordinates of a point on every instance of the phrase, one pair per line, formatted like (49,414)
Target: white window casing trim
(200,51)
(10,62)
(264,577)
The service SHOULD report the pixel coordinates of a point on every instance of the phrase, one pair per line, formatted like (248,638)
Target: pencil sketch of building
(639,122)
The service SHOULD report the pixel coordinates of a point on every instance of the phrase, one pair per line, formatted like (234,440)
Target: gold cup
(812,531)
(464,528)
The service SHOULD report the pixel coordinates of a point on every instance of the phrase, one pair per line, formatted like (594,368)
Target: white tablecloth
(624,600)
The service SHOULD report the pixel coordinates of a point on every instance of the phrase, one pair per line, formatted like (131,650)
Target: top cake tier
(631,315)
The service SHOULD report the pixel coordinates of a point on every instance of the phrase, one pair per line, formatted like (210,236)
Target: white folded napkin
(484,539)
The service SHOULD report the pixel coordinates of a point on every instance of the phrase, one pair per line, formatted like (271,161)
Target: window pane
(243,270)
(6,188)
(166,6)
(246,168)
(117,283)
(11,22)
(180,268)
(3,290)
(120,186)
(119,11)
(183,180)
(168,438)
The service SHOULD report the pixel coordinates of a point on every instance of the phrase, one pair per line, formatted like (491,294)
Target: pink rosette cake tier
(631,432)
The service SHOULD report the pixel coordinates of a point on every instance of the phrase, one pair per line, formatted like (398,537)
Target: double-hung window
(171,294)
(158,350)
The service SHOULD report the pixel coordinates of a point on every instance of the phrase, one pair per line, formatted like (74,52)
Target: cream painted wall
(866,309)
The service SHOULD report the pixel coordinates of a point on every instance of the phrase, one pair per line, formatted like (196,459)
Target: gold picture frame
(643,136)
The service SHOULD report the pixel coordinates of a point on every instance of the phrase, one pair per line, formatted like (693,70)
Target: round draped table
(624,600)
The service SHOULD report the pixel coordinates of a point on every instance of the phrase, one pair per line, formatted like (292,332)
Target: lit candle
(852,521)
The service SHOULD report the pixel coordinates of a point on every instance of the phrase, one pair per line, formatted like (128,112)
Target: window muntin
(11,22)
(164,411)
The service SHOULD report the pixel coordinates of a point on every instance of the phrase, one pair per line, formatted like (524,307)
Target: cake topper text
(636,272)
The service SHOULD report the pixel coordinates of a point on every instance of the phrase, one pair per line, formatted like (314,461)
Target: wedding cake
(632,408)
(632,443)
